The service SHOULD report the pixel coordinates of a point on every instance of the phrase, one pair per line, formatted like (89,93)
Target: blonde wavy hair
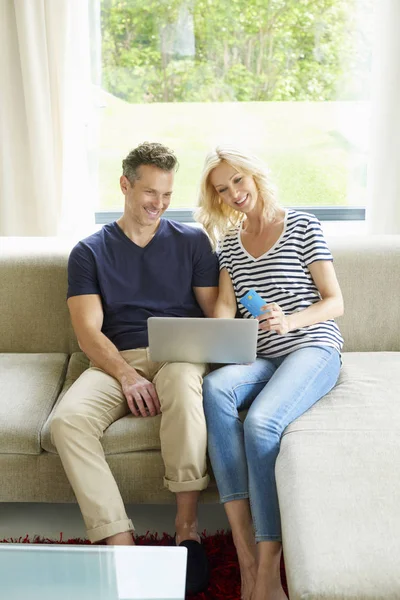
(217,217)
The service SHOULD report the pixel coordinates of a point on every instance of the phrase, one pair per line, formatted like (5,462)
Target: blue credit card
(253,302)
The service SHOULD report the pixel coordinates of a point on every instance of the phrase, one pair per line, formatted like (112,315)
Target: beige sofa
(338,469)
(339,464)
(39,360)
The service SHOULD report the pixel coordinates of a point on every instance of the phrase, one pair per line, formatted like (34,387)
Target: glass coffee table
(66,572)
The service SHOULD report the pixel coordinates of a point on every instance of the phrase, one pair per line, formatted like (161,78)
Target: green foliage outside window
(235,50)
(287,79)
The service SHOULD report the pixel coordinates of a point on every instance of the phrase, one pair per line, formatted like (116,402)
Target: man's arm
(206,298)
(87,319)
(205,273)
(225,307)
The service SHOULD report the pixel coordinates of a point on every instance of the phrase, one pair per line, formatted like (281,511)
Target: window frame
(323,213)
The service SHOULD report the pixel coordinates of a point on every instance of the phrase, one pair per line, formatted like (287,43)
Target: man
(134,268)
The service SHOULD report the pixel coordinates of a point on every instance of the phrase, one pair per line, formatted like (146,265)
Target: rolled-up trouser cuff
(105,531)
(187,486)
(238,496)
(268,538)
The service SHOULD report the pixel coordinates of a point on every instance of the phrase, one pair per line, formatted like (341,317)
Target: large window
(286,79)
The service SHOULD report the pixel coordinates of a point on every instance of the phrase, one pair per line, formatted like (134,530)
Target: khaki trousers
(95,401)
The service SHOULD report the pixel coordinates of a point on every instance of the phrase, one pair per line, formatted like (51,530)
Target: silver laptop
(181,339)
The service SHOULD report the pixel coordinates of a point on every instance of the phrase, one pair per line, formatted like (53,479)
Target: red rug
(225,577)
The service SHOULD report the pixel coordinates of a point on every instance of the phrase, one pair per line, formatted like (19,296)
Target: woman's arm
(331,303)
(329,307)
(225,307)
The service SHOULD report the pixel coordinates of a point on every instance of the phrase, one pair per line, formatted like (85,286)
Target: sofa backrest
(368,269)
(33,285)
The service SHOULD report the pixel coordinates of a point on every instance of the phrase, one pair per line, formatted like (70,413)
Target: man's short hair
(148,153)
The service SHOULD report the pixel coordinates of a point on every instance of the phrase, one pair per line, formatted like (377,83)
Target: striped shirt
(281,275)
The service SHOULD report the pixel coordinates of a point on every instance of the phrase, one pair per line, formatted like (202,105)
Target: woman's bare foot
(248,577)
(239,515)
(267,588)
(247,556)
(268,584)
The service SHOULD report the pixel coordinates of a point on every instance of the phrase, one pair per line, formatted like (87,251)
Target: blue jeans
(275,391)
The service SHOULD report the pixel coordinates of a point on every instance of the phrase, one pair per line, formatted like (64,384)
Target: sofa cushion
(338,492)
(29,386)
(129,434)
(365,397)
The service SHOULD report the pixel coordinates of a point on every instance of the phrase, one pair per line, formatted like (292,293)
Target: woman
(282,254)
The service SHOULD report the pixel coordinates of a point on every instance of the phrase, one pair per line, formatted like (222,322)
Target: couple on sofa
(142,266)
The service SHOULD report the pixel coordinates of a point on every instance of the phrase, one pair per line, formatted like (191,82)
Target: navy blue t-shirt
(136,283)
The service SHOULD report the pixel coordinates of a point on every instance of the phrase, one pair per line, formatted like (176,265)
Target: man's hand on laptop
(140,394)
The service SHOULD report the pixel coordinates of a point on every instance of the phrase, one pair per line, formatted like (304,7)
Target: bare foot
(247,556)
(268,589)
(186,531)
(248,577)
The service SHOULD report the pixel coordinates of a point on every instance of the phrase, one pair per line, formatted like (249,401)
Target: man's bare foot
(186,531)
(186,517)
(197,567)
(120,539)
